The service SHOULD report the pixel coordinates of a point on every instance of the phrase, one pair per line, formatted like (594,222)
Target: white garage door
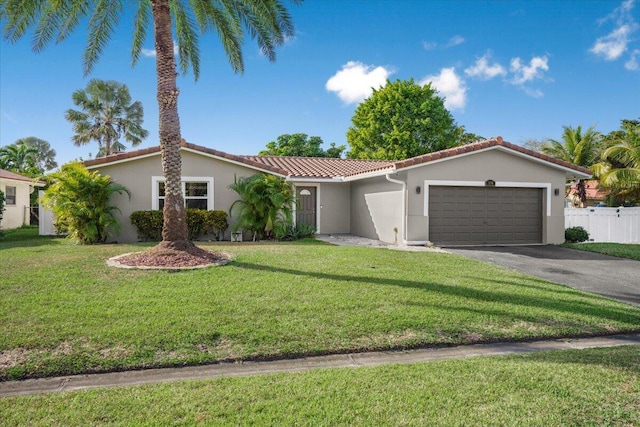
(485,215)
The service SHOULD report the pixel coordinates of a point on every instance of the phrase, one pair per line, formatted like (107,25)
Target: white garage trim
(428,183)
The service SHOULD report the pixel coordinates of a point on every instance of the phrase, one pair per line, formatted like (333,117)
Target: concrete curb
(351,360)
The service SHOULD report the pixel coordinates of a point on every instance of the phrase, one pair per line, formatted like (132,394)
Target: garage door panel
(485,215)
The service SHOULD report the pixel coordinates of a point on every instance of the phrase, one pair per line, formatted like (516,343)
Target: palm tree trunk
(174,231)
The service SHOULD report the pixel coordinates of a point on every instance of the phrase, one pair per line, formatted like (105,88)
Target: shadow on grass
(586,304)
(622,357)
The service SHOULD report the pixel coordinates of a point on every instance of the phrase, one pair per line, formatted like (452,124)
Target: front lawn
(64,311)
(621,250)
(597,387)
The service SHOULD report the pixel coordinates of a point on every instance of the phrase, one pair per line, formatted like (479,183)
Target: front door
(306,209)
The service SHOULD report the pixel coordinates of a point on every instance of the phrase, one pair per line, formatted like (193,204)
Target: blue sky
(518,69)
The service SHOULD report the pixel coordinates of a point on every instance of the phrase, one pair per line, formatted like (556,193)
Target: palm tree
(619,169)
(45,157)
(267,21)
(19,157)
(582,149)
(107,115)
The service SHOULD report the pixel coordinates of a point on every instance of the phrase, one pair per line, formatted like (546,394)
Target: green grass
(64,311)
(621,250)
(561,388)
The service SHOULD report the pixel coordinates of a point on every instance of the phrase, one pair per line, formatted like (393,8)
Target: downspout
(404,206)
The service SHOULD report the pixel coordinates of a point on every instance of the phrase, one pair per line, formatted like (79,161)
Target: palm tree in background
(45,157)
(582,149)
(266,21)
(19,158)
(619,169)
(107,115)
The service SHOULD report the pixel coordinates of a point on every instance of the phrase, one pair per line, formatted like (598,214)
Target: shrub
(294,232)
(576,235)
(148,224)
(79,200)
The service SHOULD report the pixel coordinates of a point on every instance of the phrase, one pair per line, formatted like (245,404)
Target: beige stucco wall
(334,200)
(17,215)
(482,166)
(137,175)
(376,209)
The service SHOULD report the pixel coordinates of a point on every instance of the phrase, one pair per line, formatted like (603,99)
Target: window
(197,192)
(10,195)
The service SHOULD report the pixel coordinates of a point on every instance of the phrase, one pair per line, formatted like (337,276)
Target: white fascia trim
(427,183)
(312,180)
(224,159)
(381,172)
(506,150)
(115,162)
(208,179)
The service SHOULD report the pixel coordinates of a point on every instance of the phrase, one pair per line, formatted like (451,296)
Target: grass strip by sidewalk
(63,311)
(573,387)
(621,250)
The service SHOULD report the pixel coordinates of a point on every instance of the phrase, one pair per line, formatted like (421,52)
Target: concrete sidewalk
(352,360)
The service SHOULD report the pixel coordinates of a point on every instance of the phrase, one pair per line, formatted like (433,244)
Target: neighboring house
(488,192)
(594,194)
(16,189)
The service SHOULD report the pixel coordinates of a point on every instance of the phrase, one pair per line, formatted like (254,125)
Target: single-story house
(16,189)
(488,192)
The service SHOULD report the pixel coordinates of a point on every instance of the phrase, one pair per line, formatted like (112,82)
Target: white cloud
(525,73)
(632,63)
(151,53)
(455,41)
(356,81)
(482,70)
(450,86)
(429,45)
(615,44)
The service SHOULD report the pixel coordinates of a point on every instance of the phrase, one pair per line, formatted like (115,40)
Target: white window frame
(15,195)
(429,183)
(155,196)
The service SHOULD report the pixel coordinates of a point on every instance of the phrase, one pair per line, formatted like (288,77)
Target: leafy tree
(401,120)
(619,170)
(45,158)
(582,149)
(20,158)
(265,202)
(468,137)
(107,114)
(300,145)
(79,200)
(533,144)
(267,21)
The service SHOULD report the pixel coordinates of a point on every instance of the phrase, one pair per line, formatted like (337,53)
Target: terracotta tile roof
(320,167)
(10,175)
(592,189)
(481,145)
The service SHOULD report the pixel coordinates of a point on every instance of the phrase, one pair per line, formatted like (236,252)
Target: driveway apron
(613,277)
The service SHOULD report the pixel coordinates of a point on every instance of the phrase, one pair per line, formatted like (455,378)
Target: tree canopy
(21,158)
(106,115)
(400,120)
(301,145)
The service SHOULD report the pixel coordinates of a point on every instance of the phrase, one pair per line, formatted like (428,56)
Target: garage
(461,215)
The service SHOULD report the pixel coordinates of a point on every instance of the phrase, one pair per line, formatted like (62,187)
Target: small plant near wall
(265,204)
(80,201)
(148,224)
(576,235)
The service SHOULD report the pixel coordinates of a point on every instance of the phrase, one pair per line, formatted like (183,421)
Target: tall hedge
(148,224)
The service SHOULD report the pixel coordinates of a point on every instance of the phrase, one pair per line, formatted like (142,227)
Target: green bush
(148,224)
(576,235)
(80,201)
(284,231)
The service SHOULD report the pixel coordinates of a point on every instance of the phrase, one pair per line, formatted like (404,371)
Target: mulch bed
(170,259)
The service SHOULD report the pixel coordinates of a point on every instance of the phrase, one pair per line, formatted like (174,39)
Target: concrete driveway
(612,277)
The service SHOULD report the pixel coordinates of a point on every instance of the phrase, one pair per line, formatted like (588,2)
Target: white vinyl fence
(45,222)
(616,225)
